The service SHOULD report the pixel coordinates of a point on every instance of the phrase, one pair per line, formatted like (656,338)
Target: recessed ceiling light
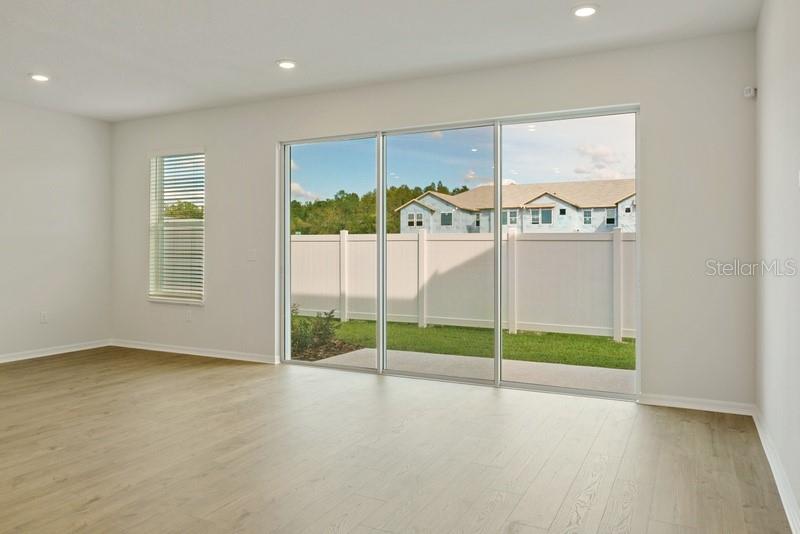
(286,64)
(585,11)
(474,149)
(39,77)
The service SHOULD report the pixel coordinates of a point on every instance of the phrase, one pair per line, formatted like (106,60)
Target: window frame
(498,121)
(591,213)
(410,219)
(441,218)
(160,154)
(418,219)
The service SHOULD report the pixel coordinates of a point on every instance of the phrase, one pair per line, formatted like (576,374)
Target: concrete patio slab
(548,374)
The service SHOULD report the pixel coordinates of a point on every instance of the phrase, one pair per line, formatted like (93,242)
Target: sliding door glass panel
(333,252)
(569,236)
(439,252)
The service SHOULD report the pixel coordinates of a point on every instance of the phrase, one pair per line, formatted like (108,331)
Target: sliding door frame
(284,190)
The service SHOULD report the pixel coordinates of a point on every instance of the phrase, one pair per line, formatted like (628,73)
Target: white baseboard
(51,351)
(790,503)
(708,405)
(195,351)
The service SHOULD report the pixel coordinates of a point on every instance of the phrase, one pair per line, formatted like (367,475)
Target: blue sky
(574,149)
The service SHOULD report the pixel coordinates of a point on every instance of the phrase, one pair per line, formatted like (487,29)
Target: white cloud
(436,135)
(293,166)
(604,163)
(601,156)
(506,181)
(298,193)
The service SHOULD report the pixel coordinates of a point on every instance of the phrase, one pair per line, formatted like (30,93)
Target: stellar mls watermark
(737,267)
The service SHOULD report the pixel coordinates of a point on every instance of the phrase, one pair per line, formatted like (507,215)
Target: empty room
(444,267)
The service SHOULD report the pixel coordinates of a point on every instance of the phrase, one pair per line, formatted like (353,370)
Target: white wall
(779,228)
(55,213)
(697,172)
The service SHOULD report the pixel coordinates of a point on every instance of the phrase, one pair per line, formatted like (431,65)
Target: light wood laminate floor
(119,440)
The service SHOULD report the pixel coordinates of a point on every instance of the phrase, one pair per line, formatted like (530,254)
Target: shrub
(302,337)
(323,328)
(308,333)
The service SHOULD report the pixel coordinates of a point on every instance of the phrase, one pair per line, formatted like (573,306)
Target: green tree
(354,213)
(183,210)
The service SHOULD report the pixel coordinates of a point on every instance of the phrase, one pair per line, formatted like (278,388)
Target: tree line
(356,213)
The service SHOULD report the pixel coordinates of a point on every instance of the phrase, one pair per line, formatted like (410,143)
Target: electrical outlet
(42,317)
(188,316)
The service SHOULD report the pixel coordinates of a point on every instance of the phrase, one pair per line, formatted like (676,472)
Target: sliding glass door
(569,275)
(440,252)
(501,252)
(332,252)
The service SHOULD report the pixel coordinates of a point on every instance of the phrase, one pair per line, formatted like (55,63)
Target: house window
(611,216)
(628,209)
(562,211)
(587,216)
(411,219)
(447,219)
(419,219)
(177,227)
(477,219)
(509,215)
(541,216)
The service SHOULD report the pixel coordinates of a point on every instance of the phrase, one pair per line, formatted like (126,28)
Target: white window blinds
(177,226)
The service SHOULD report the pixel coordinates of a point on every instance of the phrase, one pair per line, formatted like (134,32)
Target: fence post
(616,262)
(344,314)
(422,273)
(511,280)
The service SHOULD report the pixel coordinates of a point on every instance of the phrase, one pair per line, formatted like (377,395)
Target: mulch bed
(334,348)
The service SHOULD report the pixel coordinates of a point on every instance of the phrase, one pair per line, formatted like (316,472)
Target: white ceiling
(118,59)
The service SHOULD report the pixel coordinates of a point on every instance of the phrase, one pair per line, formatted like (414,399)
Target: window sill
(175,300)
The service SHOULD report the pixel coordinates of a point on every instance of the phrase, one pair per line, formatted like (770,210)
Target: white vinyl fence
(583,283)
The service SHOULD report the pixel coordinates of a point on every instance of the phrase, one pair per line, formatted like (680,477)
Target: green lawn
(573,349)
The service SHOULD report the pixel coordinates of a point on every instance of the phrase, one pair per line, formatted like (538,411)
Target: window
(562,211)
(419,219)
(447,219)
(587,216)
(541,216)
(628,209)
(477,219)
(611,216)
(411,219)
(512,215)
(177,226)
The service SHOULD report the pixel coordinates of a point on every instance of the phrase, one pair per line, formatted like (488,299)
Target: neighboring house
(587,206)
